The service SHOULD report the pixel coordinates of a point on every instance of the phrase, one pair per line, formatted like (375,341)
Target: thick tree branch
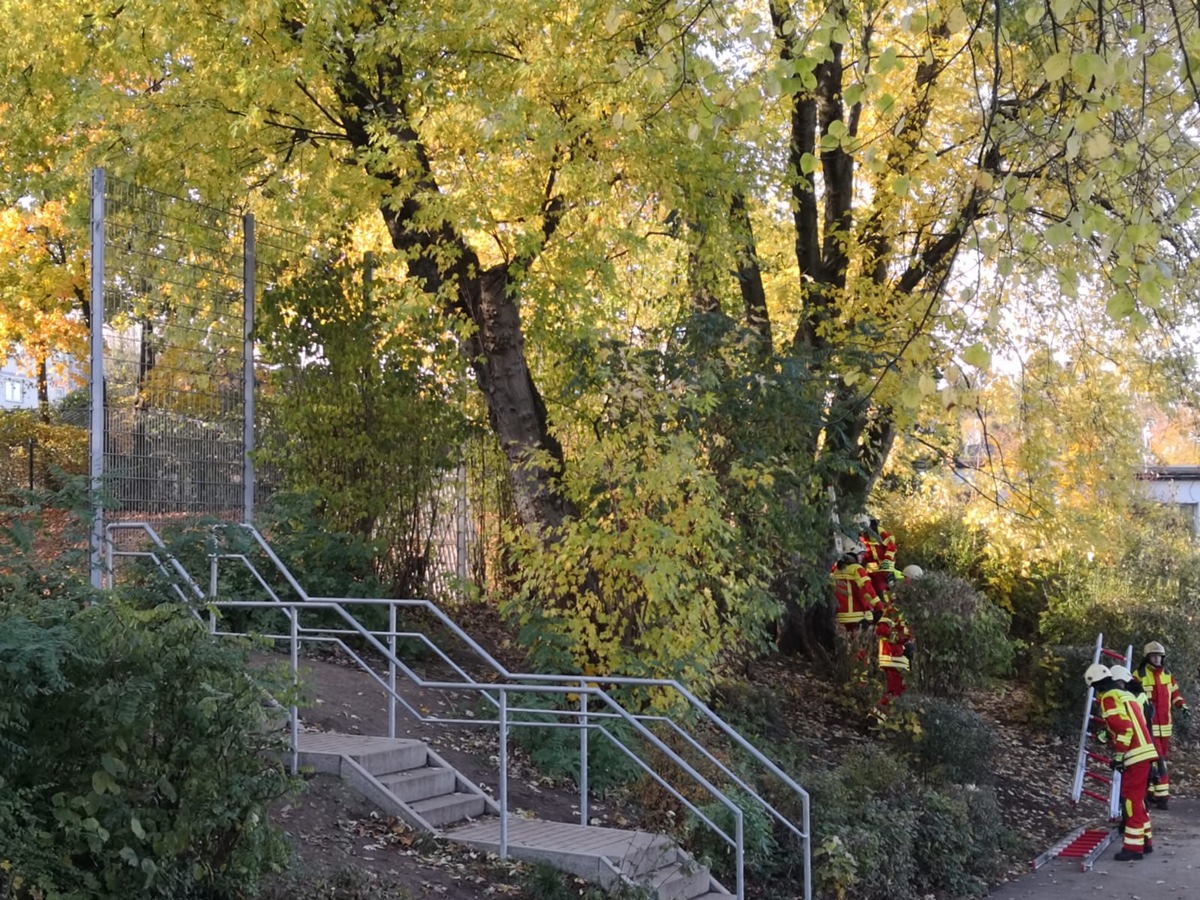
(748,272)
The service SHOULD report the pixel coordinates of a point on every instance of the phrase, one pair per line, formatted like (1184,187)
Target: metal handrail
(180,572)
(292,608)
(581,686)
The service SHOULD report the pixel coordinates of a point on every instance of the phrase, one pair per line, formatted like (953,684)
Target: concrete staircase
(403,777)
(406,779)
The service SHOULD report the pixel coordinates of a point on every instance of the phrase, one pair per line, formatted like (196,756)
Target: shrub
(936,528)
(137,758)
(879,832)
(1056,687)
(953,744)
(962,638)
(1148,595)
(761,849)
(958,843)
(864,819)
(554,751)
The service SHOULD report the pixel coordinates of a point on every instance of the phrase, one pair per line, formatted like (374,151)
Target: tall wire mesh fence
(180,405)
(174,390)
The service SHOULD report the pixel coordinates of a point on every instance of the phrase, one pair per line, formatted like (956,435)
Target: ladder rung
(1112,654)
(1098,777)
(1095,796)
(1099,757)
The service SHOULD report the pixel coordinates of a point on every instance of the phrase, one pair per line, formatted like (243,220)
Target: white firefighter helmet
(844,544)
(1096,672)
(1154,647)
(1120,673)
(913,571)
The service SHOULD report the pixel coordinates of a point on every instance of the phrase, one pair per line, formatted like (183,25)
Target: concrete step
(412,785)
(324,751)
(405,755)
(678,881)
(442,810)
(714,895)
(647,853)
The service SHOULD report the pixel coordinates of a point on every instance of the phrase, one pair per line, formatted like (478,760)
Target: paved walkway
(1172,872)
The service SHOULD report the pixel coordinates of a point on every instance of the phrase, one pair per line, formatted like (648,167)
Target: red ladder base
(1083,844)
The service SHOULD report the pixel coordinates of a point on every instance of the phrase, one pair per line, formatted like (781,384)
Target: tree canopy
(756,240)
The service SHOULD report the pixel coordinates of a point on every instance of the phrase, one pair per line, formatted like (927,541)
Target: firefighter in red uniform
(1133,754)
(858,608)
(879,558)
(895,651)
(858,604)
(888,542)
(1163,691)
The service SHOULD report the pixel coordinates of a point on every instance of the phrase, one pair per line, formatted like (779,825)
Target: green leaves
(163,800)
(977,355)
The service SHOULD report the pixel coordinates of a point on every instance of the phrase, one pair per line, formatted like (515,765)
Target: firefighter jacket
(1129,735)
(1143,700)
(894,635)
(1164,694)
(856,597)
(874,550)
(887,544)
(881,551)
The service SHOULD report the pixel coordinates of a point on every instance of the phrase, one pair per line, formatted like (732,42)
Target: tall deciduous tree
(836,178)
(44,311)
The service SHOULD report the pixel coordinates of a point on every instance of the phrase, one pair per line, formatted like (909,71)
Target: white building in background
(18,387)
(1177,486)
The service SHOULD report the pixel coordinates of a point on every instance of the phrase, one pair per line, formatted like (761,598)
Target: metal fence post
(96,438)
(249,264)
(460,547)
(740,833)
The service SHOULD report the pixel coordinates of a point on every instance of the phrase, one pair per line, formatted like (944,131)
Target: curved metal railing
(580,688)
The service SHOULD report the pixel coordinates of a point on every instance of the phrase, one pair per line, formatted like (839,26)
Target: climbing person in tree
(1162,689)
(879,556)
(1133,755)
(858,607)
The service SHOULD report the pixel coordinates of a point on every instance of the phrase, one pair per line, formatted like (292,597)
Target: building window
(13,392)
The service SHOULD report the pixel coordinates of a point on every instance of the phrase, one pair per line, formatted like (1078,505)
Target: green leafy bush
(555,751)
(1056,687)
(758,835)
(883,832)
(962,638)
(37,565)
(865,816)
(138,758)
(1149,595)
(953,744)
(959,841)
(936,528)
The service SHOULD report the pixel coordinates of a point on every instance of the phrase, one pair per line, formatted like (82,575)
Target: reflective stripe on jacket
(1164,693)
(855,594)
(893,633)
(1127,727)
